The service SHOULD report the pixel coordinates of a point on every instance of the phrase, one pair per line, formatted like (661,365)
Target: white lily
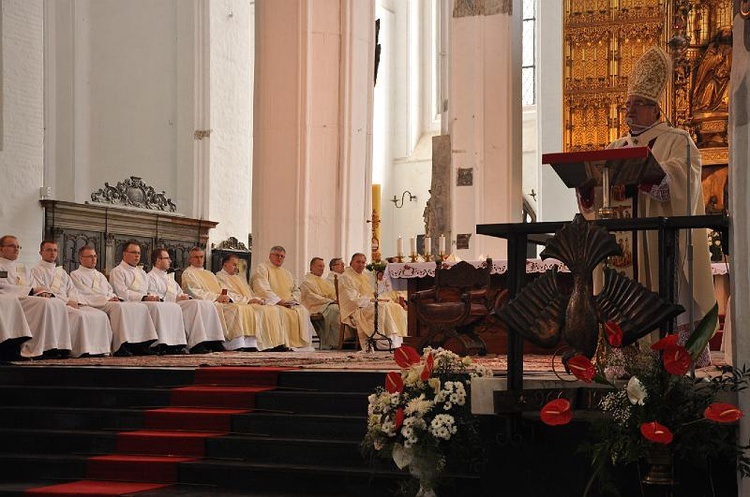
(636,391)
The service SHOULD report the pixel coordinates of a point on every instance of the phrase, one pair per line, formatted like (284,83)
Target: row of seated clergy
(252,320)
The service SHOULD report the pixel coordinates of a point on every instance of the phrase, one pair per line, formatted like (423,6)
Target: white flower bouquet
(422,418)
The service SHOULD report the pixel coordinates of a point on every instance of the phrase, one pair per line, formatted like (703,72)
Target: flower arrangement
(376,266)
(714,246)
(421,418)
(653,405)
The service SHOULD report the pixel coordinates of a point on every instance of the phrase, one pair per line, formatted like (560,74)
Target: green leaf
(703,333)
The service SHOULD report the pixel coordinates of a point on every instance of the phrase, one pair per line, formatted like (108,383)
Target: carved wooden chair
(348,336)
(459,301)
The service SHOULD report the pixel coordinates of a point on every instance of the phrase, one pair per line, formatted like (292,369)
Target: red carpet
(148,459)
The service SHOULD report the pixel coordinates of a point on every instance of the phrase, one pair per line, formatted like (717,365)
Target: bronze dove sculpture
(543,314)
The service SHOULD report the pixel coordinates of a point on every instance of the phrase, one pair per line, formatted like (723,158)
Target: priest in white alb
(132,329)
(203,326)
(275,285)
(357,305)
(319,297)
(130,283)
(14,330)
(269,321)
(90,332)
(46,316)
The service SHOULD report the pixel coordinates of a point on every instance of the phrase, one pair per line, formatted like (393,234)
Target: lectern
(606,168)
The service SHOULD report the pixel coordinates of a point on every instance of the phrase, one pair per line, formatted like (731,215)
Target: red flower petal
(677,360)
(614,333)
(406,356)
(656,433)
(581,367)
(668,342)
(722,412)
(399,418)
(393,382)
(429,363)
(556,412)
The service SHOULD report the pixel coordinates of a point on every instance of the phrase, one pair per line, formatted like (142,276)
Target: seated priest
(357,303)
(14,330)
(90,332)
(336,268)
(130,282)
(268,323)
(46,316)
(133,331)
(203,327)
(319,296)
(276,286)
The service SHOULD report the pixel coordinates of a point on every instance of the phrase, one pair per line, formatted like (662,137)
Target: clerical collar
(44,263)
(647,128)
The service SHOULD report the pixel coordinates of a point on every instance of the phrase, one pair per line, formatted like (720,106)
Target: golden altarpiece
(602,41)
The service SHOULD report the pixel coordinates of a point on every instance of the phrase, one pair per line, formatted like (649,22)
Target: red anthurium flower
(722,412)
(429,363)
(556,412)
(581,367)
(677,360)
(656,433)
(399,418)
(393,382)
(668,342)
(614,333)
(406,356)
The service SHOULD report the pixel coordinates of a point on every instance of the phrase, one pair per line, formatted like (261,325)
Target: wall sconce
(403,196)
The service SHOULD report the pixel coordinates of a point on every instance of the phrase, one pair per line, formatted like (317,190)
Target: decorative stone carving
(466,8)
(231,243)
(465,176)
(437,213)
(133,192)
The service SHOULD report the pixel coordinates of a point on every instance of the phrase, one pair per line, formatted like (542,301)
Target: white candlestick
(413,245)
(441,244)
(427,245)
(400,246)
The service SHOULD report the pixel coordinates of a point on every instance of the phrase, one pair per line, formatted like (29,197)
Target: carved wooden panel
(109,228)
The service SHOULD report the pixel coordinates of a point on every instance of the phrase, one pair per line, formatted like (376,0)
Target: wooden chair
(318,322)
(459,301)
(348,336)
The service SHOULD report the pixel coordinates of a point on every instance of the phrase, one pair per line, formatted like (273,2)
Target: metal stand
(372,340)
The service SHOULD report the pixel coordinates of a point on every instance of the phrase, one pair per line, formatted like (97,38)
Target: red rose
(722,412)
(429,363)
(656,433)
(556,412)
(614,333)
(406,356)
(676,360)
(393,382)
(581,367)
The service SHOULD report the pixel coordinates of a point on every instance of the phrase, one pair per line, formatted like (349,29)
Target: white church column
(485,120)
(312,128)
(739,208)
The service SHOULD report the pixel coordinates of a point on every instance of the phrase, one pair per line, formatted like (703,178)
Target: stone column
(739,208)
(312,128)
(485,121)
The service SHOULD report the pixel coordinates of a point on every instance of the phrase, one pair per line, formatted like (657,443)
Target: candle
(400,246)
(441,244)
(375,244)
(427,245)
(413,245)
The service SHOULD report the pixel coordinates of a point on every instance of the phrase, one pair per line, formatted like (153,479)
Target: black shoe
(176,350)
(51,354)
(199,349)
(215,346)
(248,349)
(123,351)
(278,348)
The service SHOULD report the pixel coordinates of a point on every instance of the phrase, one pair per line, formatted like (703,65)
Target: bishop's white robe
(46,317)
(356,295)
(13,325)
(130,321)
(240,320)
(274,284)
(131,284)
(319,296)
(269,318)
(202,323)
(90,332)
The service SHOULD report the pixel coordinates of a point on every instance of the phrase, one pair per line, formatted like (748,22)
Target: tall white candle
(413,245)
(400,246)
(427,245)
(441,244)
